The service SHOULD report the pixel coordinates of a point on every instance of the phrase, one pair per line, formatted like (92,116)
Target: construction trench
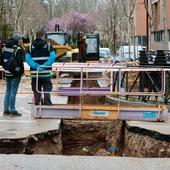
(101,138)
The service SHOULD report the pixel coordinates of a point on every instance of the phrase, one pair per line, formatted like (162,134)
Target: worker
(13,70)
(40,56)
(81,43)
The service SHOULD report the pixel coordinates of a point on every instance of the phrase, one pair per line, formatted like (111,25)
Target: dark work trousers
(45,85)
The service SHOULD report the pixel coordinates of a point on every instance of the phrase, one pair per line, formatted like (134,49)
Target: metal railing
(112,75)
(114,80)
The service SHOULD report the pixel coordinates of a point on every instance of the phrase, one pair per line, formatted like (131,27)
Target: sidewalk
(22,127)
(161,127)
(51,162)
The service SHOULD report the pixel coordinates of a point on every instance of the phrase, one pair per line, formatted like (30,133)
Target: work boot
(6,113)
(15,114)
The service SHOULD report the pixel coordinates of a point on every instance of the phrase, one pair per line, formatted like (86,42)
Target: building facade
(159,23)
(140,23)
(160,35)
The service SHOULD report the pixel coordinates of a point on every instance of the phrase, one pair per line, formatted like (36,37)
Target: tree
(18,13)
(73,22)
(108,23)
(129,7)
(24,16)
(33,19)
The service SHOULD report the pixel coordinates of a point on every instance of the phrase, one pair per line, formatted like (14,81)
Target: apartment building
(159,24)
(140,22)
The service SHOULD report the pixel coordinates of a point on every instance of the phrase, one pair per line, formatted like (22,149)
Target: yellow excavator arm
(60,50)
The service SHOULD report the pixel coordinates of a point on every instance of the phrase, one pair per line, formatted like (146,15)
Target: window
(57,38)
(142,40)
(158,36)
(169,35)
(91,45)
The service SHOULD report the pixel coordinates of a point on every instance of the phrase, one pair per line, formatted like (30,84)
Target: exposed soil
(44,143)
(89,137)
(145,143)
(83,137)
(107,139)
(86,99)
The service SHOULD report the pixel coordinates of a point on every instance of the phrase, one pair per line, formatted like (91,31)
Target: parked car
(129,52)
(106,53)
(120,59)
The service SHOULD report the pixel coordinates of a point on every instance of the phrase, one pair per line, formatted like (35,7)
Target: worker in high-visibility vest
(39,55)
(13,70)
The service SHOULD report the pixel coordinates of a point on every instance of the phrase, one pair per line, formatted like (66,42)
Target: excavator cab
(92,50)
(60,42)
(88,46)
(58,38)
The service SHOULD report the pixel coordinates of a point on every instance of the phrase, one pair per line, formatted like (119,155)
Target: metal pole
(147,27)
(165,25)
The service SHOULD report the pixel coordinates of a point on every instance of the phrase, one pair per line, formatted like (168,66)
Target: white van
(129,52)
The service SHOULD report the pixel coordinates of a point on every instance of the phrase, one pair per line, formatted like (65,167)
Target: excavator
(88,47)
(60,42)
(87,51)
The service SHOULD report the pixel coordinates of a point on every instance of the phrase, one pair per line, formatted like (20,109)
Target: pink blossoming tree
(72,23)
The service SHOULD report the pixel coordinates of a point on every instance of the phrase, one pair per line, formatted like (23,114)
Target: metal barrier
(111,75)
(114,80)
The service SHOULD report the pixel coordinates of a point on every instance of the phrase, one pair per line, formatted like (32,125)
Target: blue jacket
(38,55)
